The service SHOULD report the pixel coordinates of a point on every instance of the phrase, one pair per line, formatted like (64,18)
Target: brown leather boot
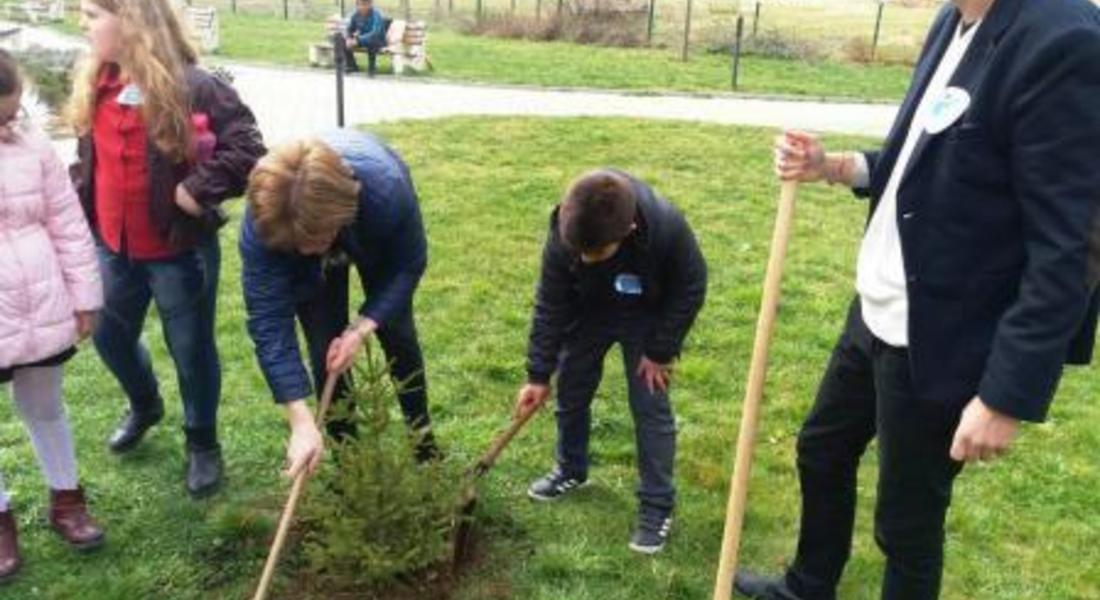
(69,517)
(9,547)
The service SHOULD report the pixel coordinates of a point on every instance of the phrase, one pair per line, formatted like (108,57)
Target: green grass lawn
(492,60)
(1023,528)
(455,56)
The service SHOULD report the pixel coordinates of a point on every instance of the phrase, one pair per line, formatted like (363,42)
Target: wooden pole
(292,500)
(754,393)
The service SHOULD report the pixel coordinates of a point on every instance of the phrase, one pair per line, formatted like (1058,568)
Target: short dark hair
(10,81)
(597,210)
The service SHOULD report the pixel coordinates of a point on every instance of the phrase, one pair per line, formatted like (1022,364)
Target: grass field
(469,58)
(270,39)
(1024,528)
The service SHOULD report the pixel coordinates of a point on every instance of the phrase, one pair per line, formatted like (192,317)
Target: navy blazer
(386,243)
(997,214)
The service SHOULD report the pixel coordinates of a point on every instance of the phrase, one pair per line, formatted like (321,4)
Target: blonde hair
(301,193)
(155,52)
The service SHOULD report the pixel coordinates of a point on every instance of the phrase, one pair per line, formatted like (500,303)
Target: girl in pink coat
(50,291)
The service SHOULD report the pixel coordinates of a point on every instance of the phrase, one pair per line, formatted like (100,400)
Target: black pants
(325,317)
(866,392)
(580,371)
(372,57)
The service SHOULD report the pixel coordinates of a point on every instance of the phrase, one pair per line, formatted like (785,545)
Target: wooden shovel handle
(754,393)
(501,442)
(292,500)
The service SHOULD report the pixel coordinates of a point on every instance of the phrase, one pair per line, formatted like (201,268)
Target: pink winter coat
(48,264)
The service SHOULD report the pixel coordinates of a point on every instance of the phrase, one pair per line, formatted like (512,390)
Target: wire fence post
(652,19)
(286,10)
(737,50)
(878,30)
(756,19)
(687,33)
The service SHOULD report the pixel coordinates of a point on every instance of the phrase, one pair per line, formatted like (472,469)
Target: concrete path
(291,102)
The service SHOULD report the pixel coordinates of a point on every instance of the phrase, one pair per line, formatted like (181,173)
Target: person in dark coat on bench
(366,31)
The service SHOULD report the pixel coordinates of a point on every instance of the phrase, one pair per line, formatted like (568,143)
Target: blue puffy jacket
(368,31)
(386,243)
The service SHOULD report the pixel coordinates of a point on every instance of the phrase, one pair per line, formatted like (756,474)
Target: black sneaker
(652,530)
(554,485)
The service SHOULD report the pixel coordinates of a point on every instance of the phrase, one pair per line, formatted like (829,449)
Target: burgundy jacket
(225,176)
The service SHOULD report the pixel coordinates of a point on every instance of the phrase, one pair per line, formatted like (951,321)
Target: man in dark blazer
(976,280)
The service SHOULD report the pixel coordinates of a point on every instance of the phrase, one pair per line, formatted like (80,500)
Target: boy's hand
(531,397)
(655,375)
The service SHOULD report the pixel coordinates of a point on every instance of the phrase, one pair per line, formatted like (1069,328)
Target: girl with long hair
(162,143)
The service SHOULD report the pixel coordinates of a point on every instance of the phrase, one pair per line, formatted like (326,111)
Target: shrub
(605,28)
(373,515)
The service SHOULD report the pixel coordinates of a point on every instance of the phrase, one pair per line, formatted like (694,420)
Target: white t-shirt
(880,271)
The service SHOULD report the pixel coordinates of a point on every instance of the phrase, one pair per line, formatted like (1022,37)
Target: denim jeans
(866,392)
(185,289)
(579,375)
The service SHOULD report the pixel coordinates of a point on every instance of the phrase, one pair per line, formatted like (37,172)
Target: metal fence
(890,30)
(861,30)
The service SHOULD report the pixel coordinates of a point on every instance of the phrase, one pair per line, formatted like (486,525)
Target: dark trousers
(372,51)
(185,290)
(580,371)
(324,317)
(866,392)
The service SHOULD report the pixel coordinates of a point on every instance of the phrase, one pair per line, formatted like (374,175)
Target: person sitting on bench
(366,29)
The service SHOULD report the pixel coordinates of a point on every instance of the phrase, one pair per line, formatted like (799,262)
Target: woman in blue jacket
(314,208)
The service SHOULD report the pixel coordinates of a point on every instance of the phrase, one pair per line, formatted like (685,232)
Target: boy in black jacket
(620,265)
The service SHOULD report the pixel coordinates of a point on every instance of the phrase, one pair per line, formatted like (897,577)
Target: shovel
(469,494)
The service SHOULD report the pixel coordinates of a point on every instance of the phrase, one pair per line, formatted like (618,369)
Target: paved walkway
(291,102)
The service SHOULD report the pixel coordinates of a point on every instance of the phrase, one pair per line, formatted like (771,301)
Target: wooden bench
(203,21)
(406,44)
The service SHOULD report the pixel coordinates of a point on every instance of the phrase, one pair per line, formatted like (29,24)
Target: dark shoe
(759,587)
(204,471)
(9,547)
(651,533)
(351,69)
(554,485)
(69,518)
(132,429)
(427,450)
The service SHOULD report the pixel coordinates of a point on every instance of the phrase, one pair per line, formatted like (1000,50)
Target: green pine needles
(373,514)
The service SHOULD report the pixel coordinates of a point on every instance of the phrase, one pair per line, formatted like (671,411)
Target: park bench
(203,21)
(406,45)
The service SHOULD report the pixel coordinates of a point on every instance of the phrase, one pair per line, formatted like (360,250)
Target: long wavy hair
(156,50)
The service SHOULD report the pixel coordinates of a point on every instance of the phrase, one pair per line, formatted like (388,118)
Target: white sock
(37,393)
(3,496)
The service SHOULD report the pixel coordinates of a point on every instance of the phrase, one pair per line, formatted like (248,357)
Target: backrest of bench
(204,23)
